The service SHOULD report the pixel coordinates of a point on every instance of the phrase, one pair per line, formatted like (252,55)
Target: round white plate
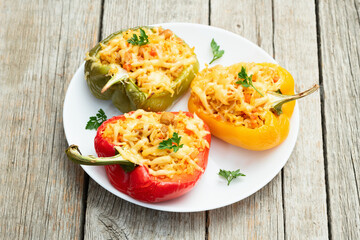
(212,190)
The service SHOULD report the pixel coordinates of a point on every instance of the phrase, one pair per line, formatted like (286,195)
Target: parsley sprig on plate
(96,121)
(141,40)
(230,175)
(172,143)
(247,80)
(215,50)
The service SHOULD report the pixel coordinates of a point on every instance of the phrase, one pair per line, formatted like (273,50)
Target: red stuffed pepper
(159,156)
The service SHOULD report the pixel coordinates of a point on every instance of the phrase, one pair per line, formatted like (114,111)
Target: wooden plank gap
(101,20)
(273,29)
(86,176)
(323,119)
(283,201)
(282,170)
(84,206)
(209,17)
(207,224)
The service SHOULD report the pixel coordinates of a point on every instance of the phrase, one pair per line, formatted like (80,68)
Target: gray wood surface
(340,39)
(44,196)
(304,191)
(41,46)
(107,216)
(281,214)
(260,215)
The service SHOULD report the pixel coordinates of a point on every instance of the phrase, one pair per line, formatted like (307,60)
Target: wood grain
(304,191)
(42,194)
(41,46)
(277,27)
(123,14)
(260,215)
(107,216)
(340,47)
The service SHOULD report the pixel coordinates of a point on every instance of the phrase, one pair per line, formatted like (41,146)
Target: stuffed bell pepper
(153,157)
(246,104)
(143,67)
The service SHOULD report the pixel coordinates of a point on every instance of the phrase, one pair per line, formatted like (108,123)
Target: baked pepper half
(142,67)
(247,104)
(156,169)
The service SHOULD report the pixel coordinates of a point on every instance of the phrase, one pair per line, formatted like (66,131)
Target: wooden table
(45,196)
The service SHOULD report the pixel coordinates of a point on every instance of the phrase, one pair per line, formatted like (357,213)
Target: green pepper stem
(116,78)
(279,99)
(74,154)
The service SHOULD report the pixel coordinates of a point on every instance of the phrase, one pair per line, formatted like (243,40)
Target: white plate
(211,191)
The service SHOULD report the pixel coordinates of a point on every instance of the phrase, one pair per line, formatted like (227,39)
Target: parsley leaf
(230,175)
(96,121)
(141,40)
(247,82)
(215,50)
(172,143)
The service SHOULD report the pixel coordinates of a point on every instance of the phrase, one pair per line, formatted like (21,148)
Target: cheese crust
(218,94)
(140,134)
(153,66)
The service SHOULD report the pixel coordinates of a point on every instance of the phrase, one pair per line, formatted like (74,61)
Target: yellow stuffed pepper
(246,104)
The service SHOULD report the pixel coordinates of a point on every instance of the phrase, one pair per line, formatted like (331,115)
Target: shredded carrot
(254,77)
(153,52)
(276,78)
(188,132)
(247,97)
(127,67)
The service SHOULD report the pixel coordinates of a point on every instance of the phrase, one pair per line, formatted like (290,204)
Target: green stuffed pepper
(143,67)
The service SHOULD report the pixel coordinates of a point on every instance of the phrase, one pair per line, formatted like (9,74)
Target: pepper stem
(74,154)
(280,99)
(116,78)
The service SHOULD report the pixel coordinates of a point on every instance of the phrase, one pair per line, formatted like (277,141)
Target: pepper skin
(272,133)
(139,183)
(126,96)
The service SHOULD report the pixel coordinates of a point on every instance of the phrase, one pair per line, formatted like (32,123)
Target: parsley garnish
(230,175)
(215,50)
(172,143)
(141,40)
(96,121)
(247,82)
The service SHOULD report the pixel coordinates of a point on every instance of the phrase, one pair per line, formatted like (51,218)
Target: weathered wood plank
(260,216)
(304,191)
(108,216)
(340,47)
(120,14)
(41,46)
(263,212)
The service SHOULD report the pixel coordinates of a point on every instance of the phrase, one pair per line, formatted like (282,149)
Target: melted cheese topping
(154,66)
(217,93)
(140,134)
